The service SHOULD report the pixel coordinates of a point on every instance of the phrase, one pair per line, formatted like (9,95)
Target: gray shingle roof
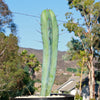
(70,84)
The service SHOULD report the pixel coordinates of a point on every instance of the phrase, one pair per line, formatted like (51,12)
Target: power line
(37,17)
(33,16)
(26,14)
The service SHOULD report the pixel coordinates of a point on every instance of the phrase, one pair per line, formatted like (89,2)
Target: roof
(70,84)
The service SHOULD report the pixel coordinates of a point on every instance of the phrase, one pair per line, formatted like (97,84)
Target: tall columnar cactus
(49,31)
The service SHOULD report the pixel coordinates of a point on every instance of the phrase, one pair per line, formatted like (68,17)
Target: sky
(28,27)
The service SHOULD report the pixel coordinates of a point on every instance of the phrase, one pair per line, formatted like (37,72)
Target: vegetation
(87,32)
(11,73)
(16,70)
(30,63)
(6,20)
(78,97)
(49,30)
(81,62)
(74,46)
(71,69)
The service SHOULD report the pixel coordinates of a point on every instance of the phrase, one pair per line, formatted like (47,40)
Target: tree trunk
(2,51)
(80,88)
(91,79)
(99,92)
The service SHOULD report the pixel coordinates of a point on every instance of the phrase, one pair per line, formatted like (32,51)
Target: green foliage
(6,20)
(87,31)
(86,38)
(68,56)
(49,30)
(24,52)
(74,47)
(30,64)
(15,69)
(30,61)
(78,97)
(36,69)
(11,73)
(4,95)
(38,80)
(72,70)
(27,85)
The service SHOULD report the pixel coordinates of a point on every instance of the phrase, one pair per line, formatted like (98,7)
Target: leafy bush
(27,84)
(72,70)
(15,69)
(78,97)
(11,73)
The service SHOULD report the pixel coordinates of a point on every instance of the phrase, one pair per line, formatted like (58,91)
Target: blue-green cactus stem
(49,30)
(54,50)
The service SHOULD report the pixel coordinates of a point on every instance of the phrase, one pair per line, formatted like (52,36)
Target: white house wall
(73,92)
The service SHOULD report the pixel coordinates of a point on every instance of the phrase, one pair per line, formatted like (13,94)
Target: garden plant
(49,31)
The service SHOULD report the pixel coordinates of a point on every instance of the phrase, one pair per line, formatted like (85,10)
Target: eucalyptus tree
(87,30)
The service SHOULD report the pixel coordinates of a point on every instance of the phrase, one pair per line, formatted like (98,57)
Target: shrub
(72,70)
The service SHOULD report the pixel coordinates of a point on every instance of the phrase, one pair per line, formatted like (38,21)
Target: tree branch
(2,51)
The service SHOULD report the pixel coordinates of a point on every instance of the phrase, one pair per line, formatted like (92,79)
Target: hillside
(61,64)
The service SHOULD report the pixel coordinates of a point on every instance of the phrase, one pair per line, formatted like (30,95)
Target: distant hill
(61,64)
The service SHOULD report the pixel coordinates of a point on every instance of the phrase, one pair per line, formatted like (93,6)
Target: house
(70,87)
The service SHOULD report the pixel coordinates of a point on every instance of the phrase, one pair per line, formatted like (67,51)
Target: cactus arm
(46,51)
(54,52)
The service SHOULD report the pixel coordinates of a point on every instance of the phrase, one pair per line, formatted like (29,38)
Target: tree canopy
(16,69)
(11,73)
(87,32)
(6,20)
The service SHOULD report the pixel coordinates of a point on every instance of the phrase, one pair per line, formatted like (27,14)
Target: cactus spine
(49,30)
